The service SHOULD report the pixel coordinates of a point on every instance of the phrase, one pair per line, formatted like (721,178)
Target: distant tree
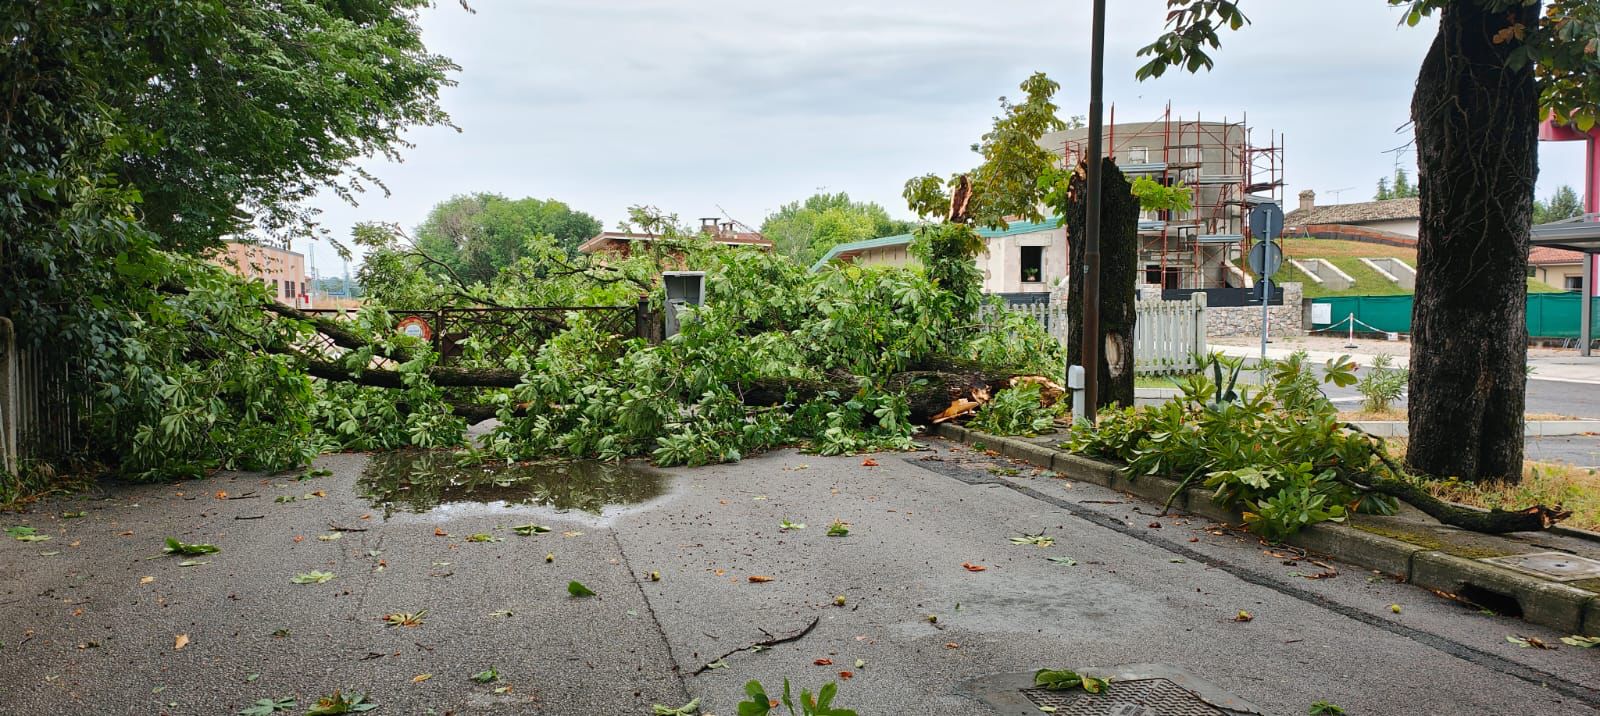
(1402,188)
(1563,204)
(805,230)
(476,236)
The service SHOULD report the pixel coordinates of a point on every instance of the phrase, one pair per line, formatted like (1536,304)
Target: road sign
(1266,222)
(1265,257)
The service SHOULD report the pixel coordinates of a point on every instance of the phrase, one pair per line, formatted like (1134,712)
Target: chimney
(708,225)
(727,228)
(1308,200)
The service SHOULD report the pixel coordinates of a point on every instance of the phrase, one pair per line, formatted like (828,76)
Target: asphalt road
(91,620)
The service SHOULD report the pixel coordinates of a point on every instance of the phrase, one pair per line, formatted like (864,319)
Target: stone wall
(1285,320)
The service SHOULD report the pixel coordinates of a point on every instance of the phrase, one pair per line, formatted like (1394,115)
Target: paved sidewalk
(90,622)
(1564,366)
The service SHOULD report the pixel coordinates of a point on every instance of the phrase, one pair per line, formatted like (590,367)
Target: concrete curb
(1552,604)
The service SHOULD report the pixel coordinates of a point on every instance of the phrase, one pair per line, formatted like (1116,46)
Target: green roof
(1014,229)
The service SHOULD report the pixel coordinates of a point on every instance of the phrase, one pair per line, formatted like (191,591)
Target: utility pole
(1091,245)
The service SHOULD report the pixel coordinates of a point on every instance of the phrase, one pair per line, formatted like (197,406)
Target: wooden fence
(39,404)
(1167,335)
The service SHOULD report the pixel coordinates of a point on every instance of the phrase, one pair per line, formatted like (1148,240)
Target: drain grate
(1147,697)
(1557,566)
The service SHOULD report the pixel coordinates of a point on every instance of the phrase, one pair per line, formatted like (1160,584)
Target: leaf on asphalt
(860,663)
(577,589)
(1582,642)
(439,532)
(337,705)
(405,619)
(760,578)
(331,536)
(823,662)
(571,533)
(1529,642)
(1038,540)
(1394,608)
(501,613)
(267,707)
(146,580)
(838,529)
(419,678)
(180,641)
(486,676)
(970,567)
(847,675)
(1070,562)
(1243,616)
(192,563)
(281,499)
(869,462)
(74,515)
(787,525)
(313,577)
(484,537)
(687,709)
(951,645)
(530,529)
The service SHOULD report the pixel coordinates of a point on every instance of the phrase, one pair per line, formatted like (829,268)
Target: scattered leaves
(838,529)
(577,589)
(1529,642)
(26,534)
(1582,642)
(337,705)
(192,550)
(787,525)
(1066,680)
(312,577)
(687,709)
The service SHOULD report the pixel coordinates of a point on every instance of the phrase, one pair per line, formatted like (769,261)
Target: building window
(1533,271)
(1139,155)
(1152,273)
(1573,283)
(1032,264)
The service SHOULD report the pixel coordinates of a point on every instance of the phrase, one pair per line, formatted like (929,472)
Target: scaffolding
(1226,172)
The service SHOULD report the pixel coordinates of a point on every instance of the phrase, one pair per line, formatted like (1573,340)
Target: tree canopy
(805,230)
(476,236)
(1400,188)
(1562,204)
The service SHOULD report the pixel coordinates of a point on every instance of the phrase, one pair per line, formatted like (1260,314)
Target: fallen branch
(795,636)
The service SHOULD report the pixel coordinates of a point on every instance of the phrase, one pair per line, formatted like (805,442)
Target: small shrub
(1383,384)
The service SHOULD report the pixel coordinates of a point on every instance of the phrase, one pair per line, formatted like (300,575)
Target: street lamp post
(1091,238)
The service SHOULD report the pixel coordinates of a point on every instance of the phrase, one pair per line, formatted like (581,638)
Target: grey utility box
(684,288)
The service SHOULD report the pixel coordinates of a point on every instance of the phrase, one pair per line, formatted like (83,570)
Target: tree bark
(928,392)
(1476,122)
(1119,263)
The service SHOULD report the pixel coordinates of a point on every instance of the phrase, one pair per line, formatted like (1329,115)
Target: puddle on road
(419,482)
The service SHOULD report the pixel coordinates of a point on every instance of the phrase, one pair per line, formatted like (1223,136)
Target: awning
(1580,233)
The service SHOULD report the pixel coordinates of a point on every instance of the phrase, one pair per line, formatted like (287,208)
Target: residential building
(1379,218)
(1227,173)
(281,270)
(1024,258)
(622,244)
(1560,268)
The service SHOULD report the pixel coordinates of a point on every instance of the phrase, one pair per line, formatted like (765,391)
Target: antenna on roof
(1337,192)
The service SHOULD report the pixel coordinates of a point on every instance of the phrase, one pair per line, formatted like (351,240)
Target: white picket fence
(1167,335)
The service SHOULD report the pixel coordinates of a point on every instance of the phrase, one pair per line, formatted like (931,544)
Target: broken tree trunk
(1119,263)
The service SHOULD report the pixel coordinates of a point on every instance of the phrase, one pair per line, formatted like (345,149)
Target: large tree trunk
(1476,121)
(1119,264)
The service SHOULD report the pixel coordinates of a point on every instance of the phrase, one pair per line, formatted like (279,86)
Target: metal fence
(1167,335)
(1549,315)
(39,405)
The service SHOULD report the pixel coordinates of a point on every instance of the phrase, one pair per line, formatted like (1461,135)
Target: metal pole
(1586,312)
(1091,239)
(1266,303)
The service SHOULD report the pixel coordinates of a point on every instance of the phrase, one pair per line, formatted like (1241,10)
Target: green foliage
(338,704)
(759,704)
(1280,454)
(1067,680)
(1562,204)
(1401,189)
(806,230)
(1014,411)
(1155,196)
(476,236)
(183,548)
(1383,384)
(267,707)
(1012,338)
(1324,708)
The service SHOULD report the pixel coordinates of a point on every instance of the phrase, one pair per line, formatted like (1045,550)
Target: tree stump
(1119,265)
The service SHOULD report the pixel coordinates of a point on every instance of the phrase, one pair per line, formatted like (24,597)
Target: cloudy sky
(736,106)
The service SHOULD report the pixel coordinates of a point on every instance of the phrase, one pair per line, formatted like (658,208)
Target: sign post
(1266,222)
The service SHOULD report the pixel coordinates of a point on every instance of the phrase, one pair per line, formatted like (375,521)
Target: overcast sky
(692,106)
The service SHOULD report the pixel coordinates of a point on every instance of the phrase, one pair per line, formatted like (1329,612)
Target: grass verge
(1575,488)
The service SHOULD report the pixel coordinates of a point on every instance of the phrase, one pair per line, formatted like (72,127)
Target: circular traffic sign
(1265,258)
(1266,221)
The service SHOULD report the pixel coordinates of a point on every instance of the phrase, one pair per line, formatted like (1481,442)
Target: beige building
(622,244)
(1026,257)
(1556,267)
(1391,216)
(283,271)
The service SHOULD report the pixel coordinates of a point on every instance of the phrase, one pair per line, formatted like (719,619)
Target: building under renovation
(1226,170)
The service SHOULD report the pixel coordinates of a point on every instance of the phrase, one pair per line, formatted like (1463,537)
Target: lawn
(1347,255)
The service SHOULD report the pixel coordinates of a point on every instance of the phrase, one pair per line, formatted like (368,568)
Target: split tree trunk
(1119,265)
(1476,122)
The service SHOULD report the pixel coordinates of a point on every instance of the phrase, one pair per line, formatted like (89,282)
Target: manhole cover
(1135,690)
(1558,566)
(1146,697)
